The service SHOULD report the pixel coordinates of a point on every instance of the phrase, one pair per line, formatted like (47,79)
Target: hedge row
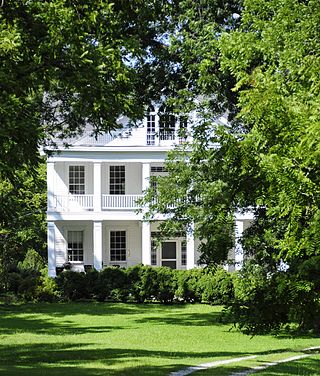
(137,284)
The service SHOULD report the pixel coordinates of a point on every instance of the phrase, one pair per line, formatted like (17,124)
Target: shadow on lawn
(40,318)
(80,360)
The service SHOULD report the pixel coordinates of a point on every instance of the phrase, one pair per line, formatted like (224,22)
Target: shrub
(142,281)
(217,286)
(260,302)
(112,284)
(47,289)
(32,261)
(166,285)
(188,288)
(72,285)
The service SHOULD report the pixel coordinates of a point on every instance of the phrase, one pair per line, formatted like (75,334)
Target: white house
(93,191)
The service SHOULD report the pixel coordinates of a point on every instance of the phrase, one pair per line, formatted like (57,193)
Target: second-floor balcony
(85,202)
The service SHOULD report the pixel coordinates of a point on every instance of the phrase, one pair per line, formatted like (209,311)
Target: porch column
(97,187)
(190,249)
(238,252)
(146,232)
(50,185)
(51,236)
(146,243)
(145,176)
(97,245)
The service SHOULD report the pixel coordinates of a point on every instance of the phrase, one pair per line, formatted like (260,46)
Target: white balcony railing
(73,202)
(120,201)
(76,203)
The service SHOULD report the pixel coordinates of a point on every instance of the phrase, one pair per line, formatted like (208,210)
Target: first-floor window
(75,245)
(118,248)
(183,253)
(153,252)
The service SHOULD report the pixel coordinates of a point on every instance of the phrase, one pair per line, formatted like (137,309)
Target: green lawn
(122,339)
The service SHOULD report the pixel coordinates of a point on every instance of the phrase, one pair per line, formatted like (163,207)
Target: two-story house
(93,190)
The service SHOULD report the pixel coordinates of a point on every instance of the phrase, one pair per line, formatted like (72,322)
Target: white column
(97,187)
(145,176)
(190,249)
(51,249)
(238,252)
(50,185)
(97,245)
(146,243)
(146,231)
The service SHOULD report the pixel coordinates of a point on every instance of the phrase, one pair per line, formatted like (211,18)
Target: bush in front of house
(138,283)
(188,285)
(111,284)
(216,286)
(143,283)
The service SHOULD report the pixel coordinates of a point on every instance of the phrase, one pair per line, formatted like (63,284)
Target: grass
(96,339)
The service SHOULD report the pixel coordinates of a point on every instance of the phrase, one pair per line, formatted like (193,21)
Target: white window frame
(116,185)
(119,259)
(77,181)
(78,250)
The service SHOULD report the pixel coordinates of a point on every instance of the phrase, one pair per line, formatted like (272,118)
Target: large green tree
(66,63)
(267,158)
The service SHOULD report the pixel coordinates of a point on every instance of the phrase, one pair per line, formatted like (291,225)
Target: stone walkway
(204,366)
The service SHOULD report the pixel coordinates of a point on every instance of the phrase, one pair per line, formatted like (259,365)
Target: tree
(196,193)
(67,63)
(22,219)
(267,158)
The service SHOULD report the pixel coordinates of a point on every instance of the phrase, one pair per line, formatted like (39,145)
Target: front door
(169,254)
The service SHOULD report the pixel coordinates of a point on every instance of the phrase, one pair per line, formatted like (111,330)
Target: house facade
(94,187)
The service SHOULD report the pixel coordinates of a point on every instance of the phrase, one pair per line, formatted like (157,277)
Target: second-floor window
(76,180)
(117,180)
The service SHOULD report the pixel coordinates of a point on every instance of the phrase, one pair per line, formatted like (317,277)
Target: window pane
(118,249)
(76,180)
(170,264)
(169,250)
(117,180)
(184,253)
(75,245)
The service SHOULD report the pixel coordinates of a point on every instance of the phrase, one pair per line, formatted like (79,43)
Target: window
(153,252)
(76,180)
(166,124)
(158,169)
(75,245)
(117,180)
(118,246)
(151,126)
(169,255)
(183,253)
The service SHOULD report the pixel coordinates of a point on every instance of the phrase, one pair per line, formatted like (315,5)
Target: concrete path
(204,366)
(189,370)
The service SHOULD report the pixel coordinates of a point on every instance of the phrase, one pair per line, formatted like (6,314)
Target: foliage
(65,64)
(261,300)
(266,159)
(111,284)
(142,283)
(189,285)
(216,286)
(22,220)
